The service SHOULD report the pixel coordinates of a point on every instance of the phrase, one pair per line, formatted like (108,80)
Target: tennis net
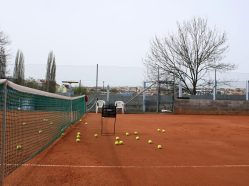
(30,121)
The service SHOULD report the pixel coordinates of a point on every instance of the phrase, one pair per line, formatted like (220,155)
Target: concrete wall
(195,106)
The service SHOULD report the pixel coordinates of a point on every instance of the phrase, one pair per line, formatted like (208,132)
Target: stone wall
(195,106)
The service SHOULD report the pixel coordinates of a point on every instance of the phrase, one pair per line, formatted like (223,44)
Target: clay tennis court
(197,150)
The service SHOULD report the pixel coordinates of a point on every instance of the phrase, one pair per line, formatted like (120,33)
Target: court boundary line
(137,166)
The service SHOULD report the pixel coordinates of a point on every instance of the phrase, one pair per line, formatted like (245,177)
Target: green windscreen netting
(31,120)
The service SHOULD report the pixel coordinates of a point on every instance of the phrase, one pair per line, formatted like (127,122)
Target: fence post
(3,132)
(144,97)
(247,90)
(180,88)
(108,94)
(158,90)
(215,85)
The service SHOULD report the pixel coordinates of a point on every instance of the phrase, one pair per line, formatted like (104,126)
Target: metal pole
(180,88)
(108,94)
(144,97)
(215,84)
(3,133)
(247,90)
(174,92)
(97,74)
(158,91)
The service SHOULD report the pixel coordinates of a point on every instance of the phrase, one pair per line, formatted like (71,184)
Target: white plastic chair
(120,105)
(99,105)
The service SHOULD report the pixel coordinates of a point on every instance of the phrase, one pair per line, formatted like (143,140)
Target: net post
(3,132)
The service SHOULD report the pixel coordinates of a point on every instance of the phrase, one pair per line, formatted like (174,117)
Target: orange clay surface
(196,150)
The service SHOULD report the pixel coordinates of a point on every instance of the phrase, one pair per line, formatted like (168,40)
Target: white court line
(136,167)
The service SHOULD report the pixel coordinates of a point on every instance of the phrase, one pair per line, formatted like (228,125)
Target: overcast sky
(112,32)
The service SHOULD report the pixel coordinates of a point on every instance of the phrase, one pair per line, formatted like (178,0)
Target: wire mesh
(33,122)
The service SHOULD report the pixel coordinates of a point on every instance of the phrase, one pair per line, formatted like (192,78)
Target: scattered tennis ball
(86,123)
(116,142)
(18,147)
(80,120)
(77,140)
(159,146)
(163,130)
(78,133)
(127,133)
(24,123)
(95,135)
(150,141)
(117,138)
(120,142)
(158,130)
(78,136)
(40,131)
(137,138)
(136,133)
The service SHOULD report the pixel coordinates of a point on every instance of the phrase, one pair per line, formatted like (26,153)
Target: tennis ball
(120,142)
(117,138)
(78,133)
(116,142)
(159,146)
(136,133)
(77,140)
(163,130)
(158,130)
(78,136)
(23,123)
(95,135)
(40,131)
(80,120)
(18,147)
(150,141)
(86,123)
(127,133)
(137,138)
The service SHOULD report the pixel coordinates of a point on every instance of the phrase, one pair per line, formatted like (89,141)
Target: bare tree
(51,73)
(188,54)
(18,73)
(3,56)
